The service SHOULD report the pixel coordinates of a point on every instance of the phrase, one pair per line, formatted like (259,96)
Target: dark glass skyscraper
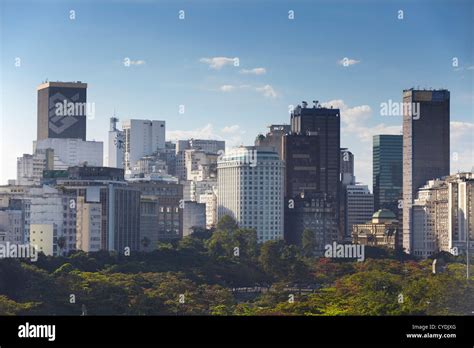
(311,153)
(387,159)
(62,110)
(326,123)
(425,148)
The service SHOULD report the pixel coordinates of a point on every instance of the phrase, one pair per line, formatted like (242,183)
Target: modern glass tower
(387,159)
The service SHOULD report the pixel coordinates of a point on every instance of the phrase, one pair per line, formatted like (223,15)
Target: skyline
(236,103)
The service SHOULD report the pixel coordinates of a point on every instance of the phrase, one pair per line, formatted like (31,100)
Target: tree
(227,223)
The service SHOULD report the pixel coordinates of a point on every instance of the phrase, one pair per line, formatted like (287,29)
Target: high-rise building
(11,225)
(460,212)
(73,152)
(119,202)
(347,167)
(45,206)
(251,190)
(209,198)
(273,139)
(116,145)
(430,218)
(326,123)
(302,165)
(387,153)
(191,153)
(347,178)
(30,168)
(358,207)
(62,110)
(161,212)
(141,138)
(425,147)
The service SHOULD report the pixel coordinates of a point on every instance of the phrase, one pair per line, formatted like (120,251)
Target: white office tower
(73,152)
(141,138)
(210,199)
(460,213)
(359,206)
(430,215)
(116,144)
(250,190)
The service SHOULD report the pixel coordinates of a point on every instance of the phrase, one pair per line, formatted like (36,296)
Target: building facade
(251,190)
(426,148)
(62,110)
(387,154)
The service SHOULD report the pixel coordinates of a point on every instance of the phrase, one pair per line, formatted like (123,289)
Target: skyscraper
(274,137)
(358,206)
(141,138)
(250,190)
(326,124)
(387,153)
(62,110)
(425,147)
(301,156)
(116,144)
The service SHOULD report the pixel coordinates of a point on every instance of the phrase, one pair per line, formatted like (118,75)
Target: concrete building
(30,167)
(382,231)
(193,153)
(11,226)
(73,152)
(89,225)
(120,204)
(42,237)
(194,217)
(387,153)
(44,205)
(116,141)
(273,139)
(206,145)
(62,110)
(141,138)
(209,198)
(426,148)
(161,211)
(460,213)
(430,217)
(316,213)
(358,206)
(251,190)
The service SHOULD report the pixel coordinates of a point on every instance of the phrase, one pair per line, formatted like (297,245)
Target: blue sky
(281,62)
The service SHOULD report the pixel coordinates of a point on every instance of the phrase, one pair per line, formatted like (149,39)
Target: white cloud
(231,129)
(267,91)
(254,71)
(347,62)
(227,88)
(218,63)
(137,62)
